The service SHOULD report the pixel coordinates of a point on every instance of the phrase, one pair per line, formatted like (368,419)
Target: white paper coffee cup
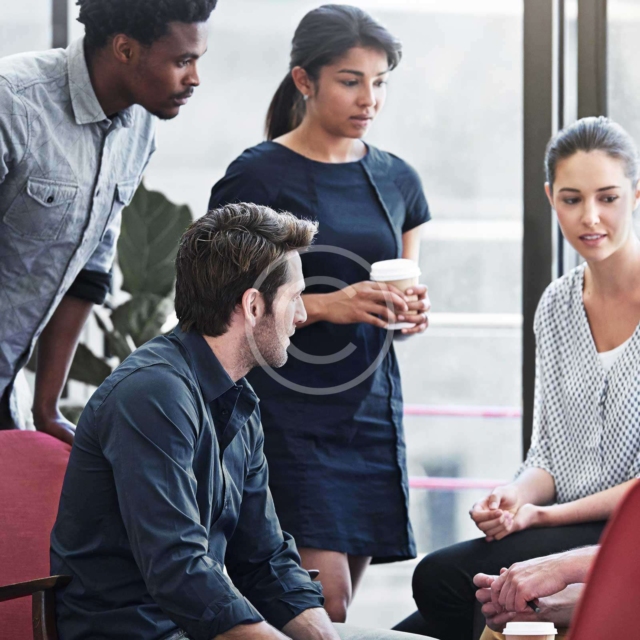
(530,631)
(400,273)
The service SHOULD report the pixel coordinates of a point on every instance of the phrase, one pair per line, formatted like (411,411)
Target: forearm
(535,486)
(56,348)
(560,607)
(598,506)
(316,307)
(575,564)
(312,624)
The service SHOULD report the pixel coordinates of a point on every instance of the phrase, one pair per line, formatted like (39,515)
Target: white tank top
(608,358)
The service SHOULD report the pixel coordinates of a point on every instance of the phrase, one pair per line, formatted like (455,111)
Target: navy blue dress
(334,438)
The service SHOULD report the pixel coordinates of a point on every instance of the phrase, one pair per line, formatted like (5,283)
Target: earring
(305,97)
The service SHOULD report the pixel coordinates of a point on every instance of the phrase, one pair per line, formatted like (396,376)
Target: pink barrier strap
(452,484)
(458,411)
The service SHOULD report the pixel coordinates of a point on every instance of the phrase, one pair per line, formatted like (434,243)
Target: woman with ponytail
(332,415)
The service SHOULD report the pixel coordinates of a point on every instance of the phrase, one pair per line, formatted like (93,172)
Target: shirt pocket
(40,209)
(123,194)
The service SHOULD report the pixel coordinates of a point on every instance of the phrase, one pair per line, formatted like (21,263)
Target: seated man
(167,480)
(553,584)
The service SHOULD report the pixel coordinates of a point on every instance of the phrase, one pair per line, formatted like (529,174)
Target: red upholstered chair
(32,467)
(610,604)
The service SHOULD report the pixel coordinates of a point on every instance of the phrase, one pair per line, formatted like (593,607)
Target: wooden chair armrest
(22,589)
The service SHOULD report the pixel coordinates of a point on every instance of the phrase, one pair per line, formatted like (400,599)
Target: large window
(623,71)
(25,26)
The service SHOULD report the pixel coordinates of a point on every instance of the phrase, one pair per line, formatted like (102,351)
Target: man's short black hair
(143,20)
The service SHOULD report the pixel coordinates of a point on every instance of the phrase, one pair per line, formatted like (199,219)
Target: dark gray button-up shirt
(167,484)
(66,172)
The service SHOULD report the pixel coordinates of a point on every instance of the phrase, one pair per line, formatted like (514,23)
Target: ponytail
(323,36)
(285,111)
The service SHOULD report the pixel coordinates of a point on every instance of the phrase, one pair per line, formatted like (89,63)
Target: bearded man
(167,482)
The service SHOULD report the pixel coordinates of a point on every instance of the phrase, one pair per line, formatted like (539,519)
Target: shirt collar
(84,101)
(213,379)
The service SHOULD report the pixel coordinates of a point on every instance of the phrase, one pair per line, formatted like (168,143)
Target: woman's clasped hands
(502,512)
(379,304)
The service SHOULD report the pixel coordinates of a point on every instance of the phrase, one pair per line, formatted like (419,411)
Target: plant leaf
(71,412)
(152,226)
(117,344)
(87,367)
(142,317)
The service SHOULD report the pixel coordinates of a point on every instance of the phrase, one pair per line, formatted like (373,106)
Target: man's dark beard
(267,341)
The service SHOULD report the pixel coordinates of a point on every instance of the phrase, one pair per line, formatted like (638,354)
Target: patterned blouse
(586,422)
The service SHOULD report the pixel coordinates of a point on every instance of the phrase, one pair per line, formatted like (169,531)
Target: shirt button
(50,199)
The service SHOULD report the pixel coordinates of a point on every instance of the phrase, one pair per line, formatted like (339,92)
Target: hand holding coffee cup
(360,302)
(403,274)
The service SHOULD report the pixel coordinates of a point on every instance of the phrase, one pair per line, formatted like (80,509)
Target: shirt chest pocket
(40,209)
(123,194)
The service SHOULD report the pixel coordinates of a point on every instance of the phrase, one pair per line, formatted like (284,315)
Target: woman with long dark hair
(333,414)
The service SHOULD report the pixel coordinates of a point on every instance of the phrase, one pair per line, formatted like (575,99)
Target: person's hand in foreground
(422,306)
(541,577)
(557,608)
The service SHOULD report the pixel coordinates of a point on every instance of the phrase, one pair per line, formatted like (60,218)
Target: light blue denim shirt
(66,172)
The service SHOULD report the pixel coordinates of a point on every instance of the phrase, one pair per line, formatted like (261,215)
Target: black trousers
(443,581)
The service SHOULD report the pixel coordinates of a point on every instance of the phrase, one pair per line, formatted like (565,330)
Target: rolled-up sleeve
(262,560)
(91,285)
(148,432)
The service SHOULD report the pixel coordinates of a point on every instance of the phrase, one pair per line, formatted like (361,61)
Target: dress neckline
(318,162)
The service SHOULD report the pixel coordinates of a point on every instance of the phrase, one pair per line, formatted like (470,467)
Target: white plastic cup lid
(399,269)
(530,629)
